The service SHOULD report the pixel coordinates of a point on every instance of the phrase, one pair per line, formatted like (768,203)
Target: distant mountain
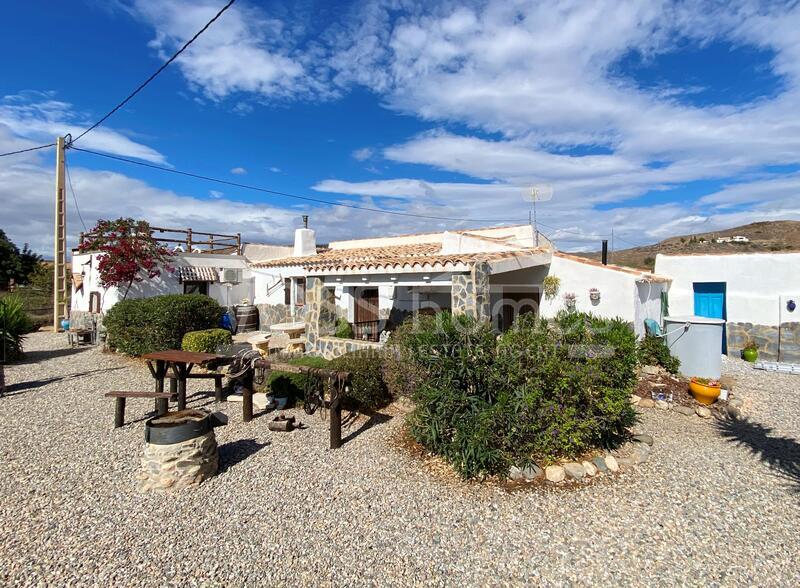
(763,236)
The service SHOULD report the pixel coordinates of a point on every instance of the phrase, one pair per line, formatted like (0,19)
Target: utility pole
(60,246)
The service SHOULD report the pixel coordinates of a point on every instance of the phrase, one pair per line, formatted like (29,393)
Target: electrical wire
(28,149)
(285,194)
(74,198)
(158,71)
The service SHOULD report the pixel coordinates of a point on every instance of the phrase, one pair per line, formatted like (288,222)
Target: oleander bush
(545,390)
(144,325)
(14,325)
(654,351)
(207,340)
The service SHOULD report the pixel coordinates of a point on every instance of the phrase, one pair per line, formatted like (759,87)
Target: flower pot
(65,324)
(704,393)
(750,355)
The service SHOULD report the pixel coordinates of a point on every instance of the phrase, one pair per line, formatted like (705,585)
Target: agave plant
(14,325)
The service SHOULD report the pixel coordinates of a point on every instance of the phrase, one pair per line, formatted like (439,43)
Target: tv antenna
(537,193)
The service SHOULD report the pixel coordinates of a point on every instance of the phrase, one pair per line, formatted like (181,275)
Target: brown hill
(762,236)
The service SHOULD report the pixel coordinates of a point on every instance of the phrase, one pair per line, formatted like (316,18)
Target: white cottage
(757,294)
(492,273)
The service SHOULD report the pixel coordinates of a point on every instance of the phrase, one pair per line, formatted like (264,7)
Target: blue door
(709,301)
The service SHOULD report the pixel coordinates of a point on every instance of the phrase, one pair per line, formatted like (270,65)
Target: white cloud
(244,51)
(362,154)
(39,116)
(216,193)
(239,171)
(275,169)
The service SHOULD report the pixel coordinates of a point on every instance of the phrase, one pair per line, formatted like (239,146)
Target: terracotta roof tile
(422,255)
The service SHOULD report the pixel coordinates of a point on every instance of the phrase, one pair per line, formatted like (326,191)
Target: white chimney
(305,241)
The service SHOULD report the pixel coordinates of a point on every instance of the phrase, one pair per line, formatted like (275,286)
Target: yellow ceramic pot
(703,393)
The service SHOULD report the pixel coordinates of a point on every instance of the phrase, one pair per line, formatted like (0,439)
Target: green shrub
(207,341)
(344,330)
(289,385)
(368,390)
(453,415)
(546,390)
(14,325)
(654,351)
(568,388)
(144,325)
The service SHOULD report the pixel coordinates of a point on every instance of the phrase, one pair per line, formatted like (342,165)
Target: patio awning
(197,274)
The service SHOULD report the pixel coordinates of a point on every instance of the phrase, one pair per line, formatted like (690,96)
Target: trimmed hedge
(545,390)
(206,341)
(288,385)
(344,330)
(368,389)
(144,325)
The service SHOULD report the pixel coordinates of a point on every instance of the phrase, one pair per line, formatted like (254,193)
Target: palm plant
(14,325)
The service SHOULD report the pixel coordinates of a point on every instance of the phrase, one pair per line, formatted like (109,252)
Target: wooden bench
(212,375)
(162,399)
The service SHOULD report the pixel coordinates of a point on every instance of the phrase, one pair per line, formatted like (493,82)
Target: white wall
(166,283)
(754,283)
(617,289)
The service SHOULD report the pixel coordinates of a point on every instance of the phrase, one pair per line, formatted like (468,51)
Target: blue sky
(651,118)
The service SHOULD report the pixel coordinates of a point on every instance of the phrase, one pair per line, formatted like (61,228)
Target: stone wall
(320,312)
(768,339)
(470,293)
(333,347)
(271,314)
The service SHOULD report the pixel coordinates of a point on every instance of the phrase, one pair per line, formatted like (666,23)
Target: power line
(74,198)
(28,149)
(158,71)
(285,194)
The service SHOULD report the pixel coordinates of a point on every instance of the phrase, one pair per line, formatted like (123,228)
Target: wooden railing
(367,330)
(193,240)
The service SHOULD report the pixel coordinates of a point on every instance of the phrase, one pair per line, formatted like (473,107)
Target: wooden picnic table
(181,363)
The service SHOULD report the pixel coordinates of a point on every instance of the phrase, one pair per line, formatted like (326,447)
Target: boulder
(662,404)
(554,473)
(703,412)
(600,464)
(589,468)
(635,399)
(643,438)
(516,474)
(650,370)
(646,403)
(611,463)
(532,472)
(574,470)
(684,410)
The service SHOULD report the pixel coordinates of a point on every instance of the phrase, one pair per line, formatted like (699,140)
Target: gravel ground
(286,511)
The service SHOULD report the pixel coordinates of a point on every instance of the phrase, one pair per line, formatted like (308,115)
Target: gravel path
(286,511)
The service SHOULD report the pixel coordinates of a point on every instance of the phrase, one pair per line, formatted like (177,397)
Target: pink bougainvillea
(126,252)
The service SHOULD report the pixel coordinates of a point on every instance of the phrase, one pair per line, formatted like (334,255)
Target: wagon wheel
(313,399)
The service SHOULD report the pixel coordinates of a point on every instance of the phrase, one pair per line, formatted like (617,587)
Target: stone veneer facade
(333,347)
(470,293)
(320,312)
(177,466)
(271,314)
(768,339)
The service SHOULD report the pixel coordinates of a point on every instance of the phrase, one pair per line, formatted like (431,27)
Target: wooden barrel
(246,318)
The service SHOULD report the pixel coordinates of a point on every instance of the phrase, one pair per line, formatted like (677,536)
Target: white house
(493,273)
(756,293)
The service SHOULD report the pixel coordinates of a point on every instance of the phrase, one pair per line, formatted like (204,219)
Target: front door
(709,301)
(366,314)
